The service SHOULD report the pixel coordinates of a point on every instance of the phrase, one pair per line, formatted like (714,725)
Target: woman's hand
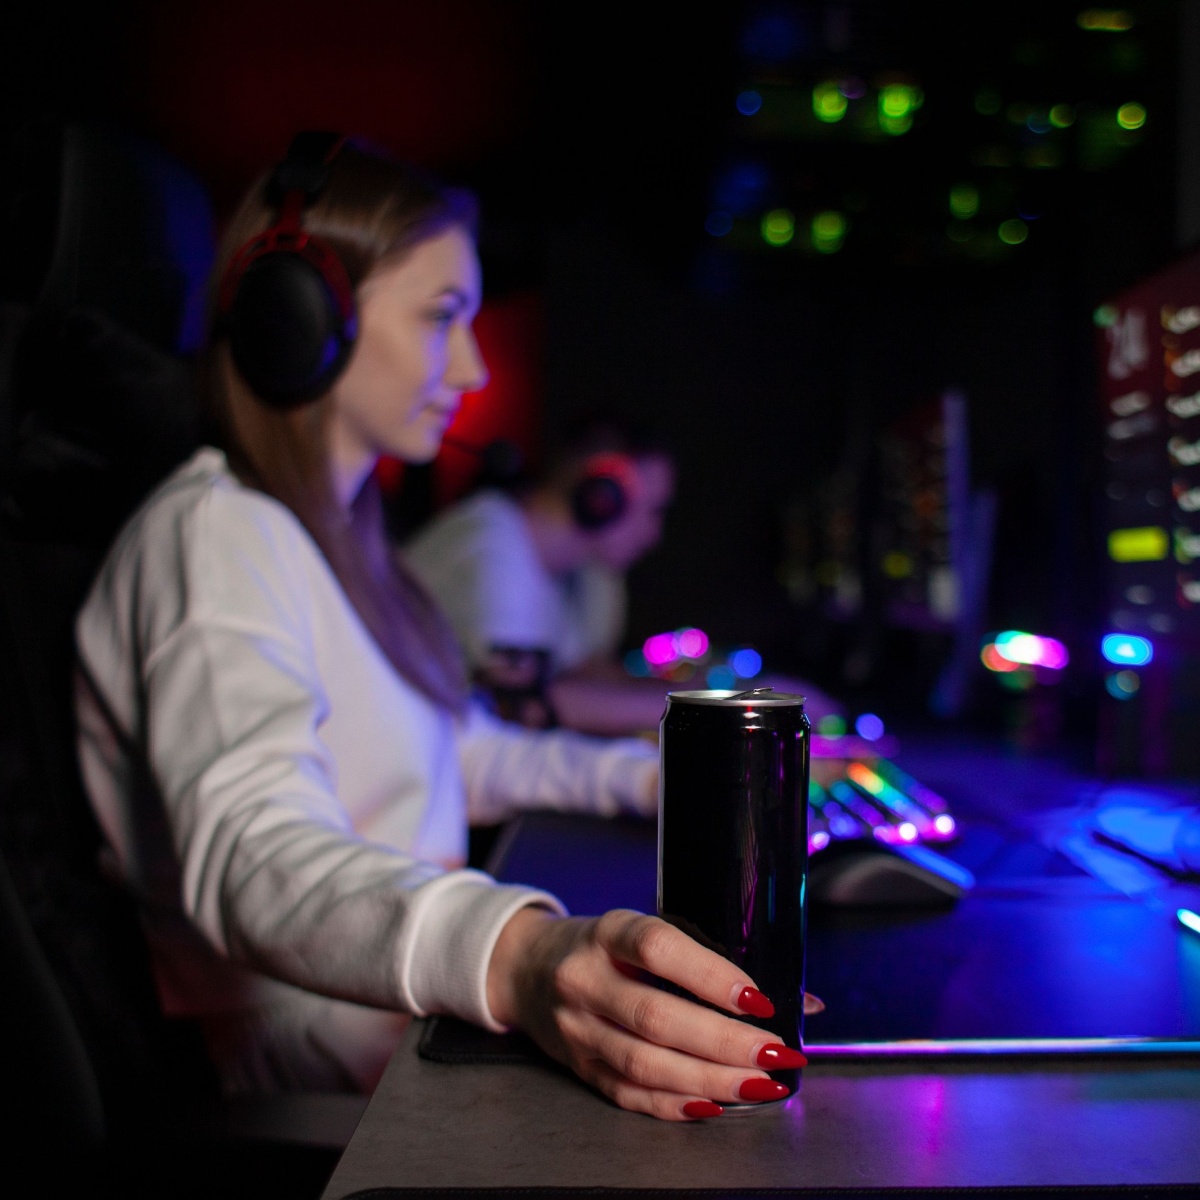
(574,986)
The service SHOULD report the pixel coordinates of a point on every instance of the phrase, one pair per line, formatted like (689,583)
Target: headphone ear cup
(598,500)
(288,335)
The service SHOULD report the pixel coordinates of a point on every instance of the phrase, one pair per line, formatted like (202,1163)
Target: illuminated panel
(1149,543)
(1189,919)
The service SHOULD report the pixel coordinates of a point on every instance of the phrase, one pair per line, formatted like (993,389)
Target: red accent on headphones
(613,465)
(287,235)
(603,493)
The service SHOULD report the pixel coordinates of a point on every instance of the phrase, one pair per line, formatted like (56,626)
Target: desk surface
(432,1126)
(1041,950)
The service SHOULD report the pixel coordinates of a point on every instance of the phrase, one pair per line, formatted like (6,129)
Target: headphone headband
(305,169)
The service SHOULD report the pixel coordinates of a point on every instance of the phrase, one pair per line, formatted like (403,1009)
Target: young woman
(274,725)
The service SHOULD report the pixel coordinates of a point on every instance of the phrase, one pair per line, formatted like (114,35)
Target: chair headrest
(98,416)
(135,237)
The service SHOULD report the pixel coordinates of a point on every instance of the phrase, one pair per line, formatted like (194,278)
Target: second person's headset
(285,302)
(603,492)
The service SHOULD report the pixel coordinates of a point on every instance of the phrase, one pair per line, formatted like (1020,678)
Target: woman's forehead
(447,261)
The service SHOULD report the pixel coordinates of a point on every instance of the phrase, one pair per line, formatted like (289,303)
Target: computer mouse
(863,873)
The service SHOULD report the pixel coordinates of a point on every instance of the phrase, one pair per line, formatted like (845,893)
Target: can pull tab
(751,692)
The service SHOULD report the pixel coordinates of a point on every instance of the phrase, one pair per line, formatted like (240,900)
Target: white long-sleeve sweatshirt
(276,796)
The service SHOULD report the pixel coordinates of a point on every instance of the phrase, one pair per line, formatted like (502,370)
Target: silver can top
(750,698)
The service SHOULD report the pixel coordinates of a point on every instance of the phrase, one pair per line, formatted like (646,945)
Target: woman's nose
(467,371)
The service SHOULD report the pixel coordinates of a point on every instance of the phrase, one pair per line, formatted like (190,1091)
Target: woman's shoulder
(200,533)
(203,499)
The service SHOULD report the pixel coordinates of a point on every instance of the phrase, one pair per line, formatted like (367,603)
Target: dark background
(603,141)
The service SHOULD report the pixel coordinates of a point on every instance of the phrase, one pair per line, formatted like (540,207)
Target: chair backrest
(96,405)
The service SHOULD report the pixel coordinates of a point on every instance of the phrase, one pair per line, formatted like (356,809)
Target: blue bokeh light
(746,663)
(1126,649)
(869,726)
(748,102)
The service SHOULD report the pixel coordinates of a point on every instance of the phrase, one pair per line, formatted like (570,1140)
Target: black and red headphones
(285,301)
(603,493)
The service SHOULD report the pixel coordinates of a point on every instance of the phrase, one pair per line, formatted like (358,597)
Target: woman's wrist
(510,959)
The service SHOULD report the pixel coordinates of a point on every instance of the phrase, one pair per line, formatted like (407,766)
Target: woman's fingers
(661,949)
(661,1068)
(813,1004)
(667,1106)
(663,1019)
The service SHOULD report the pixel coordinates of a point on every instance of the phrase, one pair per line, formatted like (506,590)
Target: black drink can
(733,839)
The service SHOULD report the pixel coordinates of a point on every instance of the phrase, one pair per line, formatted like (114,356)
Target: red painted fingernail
(752,1001)
(698,1109)
(762,1089)
(777,1057)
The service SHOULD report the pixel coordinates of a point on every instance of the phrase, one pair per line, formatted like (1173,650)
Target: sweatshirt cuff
(633,776)
(443,962)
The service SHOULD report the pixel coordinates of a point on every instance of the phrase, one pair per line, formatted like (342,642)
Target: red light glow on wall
(509,406)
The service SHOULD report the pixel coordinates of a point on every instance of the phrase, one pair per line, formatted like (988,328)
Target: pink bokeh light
(661,649)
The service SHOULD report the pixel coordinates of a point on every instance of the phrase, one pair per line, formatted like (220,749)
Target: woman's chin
(418,451)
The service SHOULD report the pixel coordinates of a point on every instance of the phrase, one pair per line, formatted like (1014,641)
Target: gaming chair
(96,406)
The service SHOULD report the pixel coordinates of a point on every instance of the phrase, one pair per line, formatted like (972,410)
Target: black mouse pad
(449,1040)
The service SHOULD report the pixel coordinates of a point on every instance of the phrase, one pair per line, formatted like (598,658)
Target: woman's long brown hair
(371,211)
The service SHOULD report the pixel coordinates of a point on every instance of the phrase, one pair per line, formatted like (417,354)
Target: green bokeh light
(897,103)
(828,230)
(1131,116)
(964,200)
(1012,232)
(829,105)
(778,227)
